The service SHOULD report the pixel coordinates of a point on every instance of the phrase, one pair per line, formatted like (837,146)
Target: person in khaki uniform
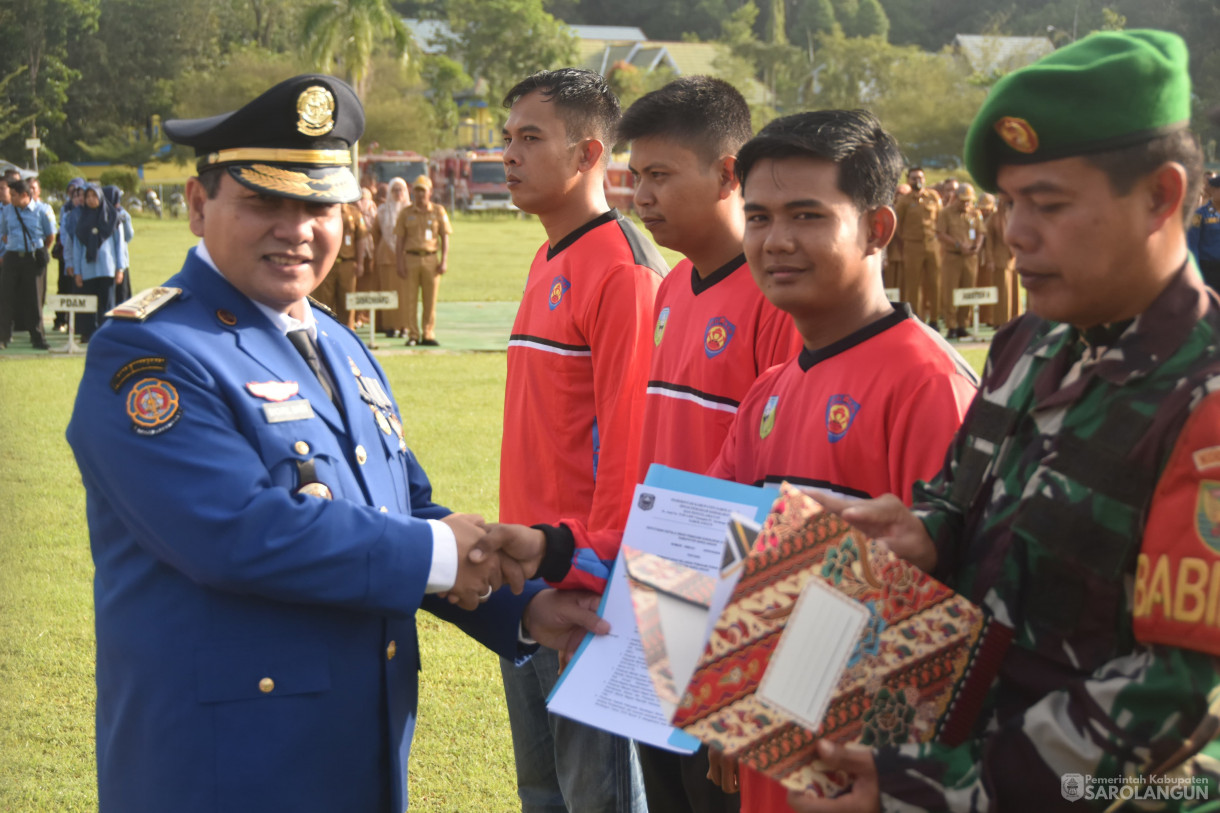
(998,257)
(959,227)
(341,280)
(916,232)
(385,257)
(422,232)
(891,273)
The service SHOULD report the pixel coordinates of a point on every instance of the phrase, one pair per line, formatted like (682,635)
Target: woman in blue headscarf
(99,255)
(114,195)
(66,283)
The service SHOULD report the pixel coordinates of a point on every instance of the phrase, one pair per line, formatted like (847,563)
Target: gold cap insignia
(1018,134)
(315,111)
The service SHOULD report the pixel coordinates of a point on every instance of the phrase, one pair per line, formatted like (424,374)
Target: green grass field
(451,403)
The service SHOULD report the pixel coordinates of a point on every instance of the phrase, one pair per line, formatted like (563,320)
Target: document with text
(608,685)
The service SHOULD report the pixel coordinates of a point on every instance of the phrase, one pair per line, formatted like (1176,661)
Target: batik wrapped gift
(917,672)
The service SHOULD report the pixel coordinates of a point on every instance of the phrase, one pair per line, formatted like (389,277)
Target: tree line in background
(89,76)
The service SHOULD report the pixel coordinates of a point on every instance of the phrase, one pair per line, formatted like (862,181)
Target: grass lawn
(451,402)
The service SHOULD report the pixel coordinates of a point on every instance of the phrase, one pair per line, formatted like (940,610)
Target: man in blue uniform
(28,231)
(1204,234)
(262,535)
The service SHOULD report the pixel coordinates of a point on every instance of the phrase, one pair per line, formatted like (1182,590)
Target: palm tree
(346,32)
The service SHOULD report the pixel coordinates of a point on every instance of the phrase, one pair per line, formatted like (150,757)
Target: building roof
(608,33)
(995,55)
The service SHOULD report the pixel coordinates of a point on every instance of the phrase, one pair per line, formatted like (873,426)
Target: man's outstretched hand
(559,619)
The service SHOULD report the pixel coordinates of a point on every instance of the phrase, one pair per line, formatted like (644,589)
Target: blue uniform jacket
(256,648)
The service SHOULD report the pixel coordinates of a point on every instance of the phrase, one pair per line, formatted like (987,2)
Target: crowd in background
(87,242)
(394,239)
(948,238)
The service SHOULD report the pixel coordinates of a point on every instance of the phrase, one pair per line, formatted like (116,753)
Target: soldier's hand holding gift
(888,521)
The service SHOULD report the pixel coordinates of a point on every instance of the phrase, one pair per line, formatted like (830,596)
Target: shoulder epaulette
(144,304)
(313,303)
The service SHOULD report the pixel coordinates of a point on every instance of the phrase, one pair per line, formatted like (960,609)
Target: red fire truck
(381,166)
(473,180)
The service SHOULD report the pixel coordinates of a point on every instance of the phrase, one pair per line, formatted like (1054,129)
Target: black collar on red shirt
(808,358)
(572,237)
(700,284)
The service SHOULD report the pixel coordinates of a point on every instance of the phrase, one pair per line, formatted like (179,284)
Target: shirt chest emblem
(717,336)
(559,287)
(841,411)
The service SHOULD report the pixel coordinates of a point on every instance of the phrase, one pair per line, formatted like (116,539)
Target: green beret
(1110,90)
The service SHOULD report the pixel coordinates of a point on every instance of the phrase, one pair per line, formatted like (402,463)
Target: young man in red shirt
(874,398)
(577,370)
(714,332)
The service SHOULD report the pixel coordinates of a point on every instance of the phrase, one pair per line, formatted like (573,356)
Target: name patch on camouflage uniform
(1177,576)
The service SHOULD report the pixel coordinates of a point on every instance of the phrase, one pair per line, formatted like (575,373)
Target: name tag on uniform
(295,410)
(972,233)
(427,234)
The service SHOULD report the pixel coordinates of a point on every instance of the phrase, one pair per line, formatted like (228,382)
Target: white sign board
(33,143)
(965,297)
(70,303)
(893,294)
(372,300)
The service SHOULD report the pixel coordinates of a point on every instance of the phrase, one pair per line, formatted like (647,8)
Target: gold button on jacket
(391,651)
(266,685)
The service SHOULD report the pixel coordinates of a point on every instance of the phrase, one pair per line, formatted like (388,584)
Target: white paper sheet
(823,629)
(607,685)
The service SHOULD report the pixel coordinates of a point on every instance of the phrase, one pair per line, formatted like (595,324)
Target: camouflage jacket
(1038,514)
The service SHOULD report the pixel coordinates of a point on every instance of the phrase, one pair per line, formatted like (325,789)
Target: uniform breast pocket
(1073,568)
(297,452)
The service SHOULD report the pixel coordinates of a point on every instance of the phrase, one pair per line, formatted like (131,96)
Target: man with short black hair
(28,231)
(874,397)
(577,371)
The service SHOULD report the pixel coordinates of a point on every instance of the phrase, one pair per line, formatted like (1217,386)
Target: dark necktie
(305,345)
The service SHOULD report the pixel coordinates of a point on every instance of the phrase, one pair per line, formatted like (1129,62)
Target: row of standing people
(945,240)
(93,255)
(27,235)
(399,245)
(89,244)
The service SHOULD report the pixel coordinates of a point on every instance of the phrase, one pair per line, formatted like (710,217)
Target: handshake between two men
(491,555)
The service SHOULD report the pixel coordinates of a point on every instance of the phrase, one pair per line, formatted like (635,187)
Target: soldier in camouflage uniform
(1075,503)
